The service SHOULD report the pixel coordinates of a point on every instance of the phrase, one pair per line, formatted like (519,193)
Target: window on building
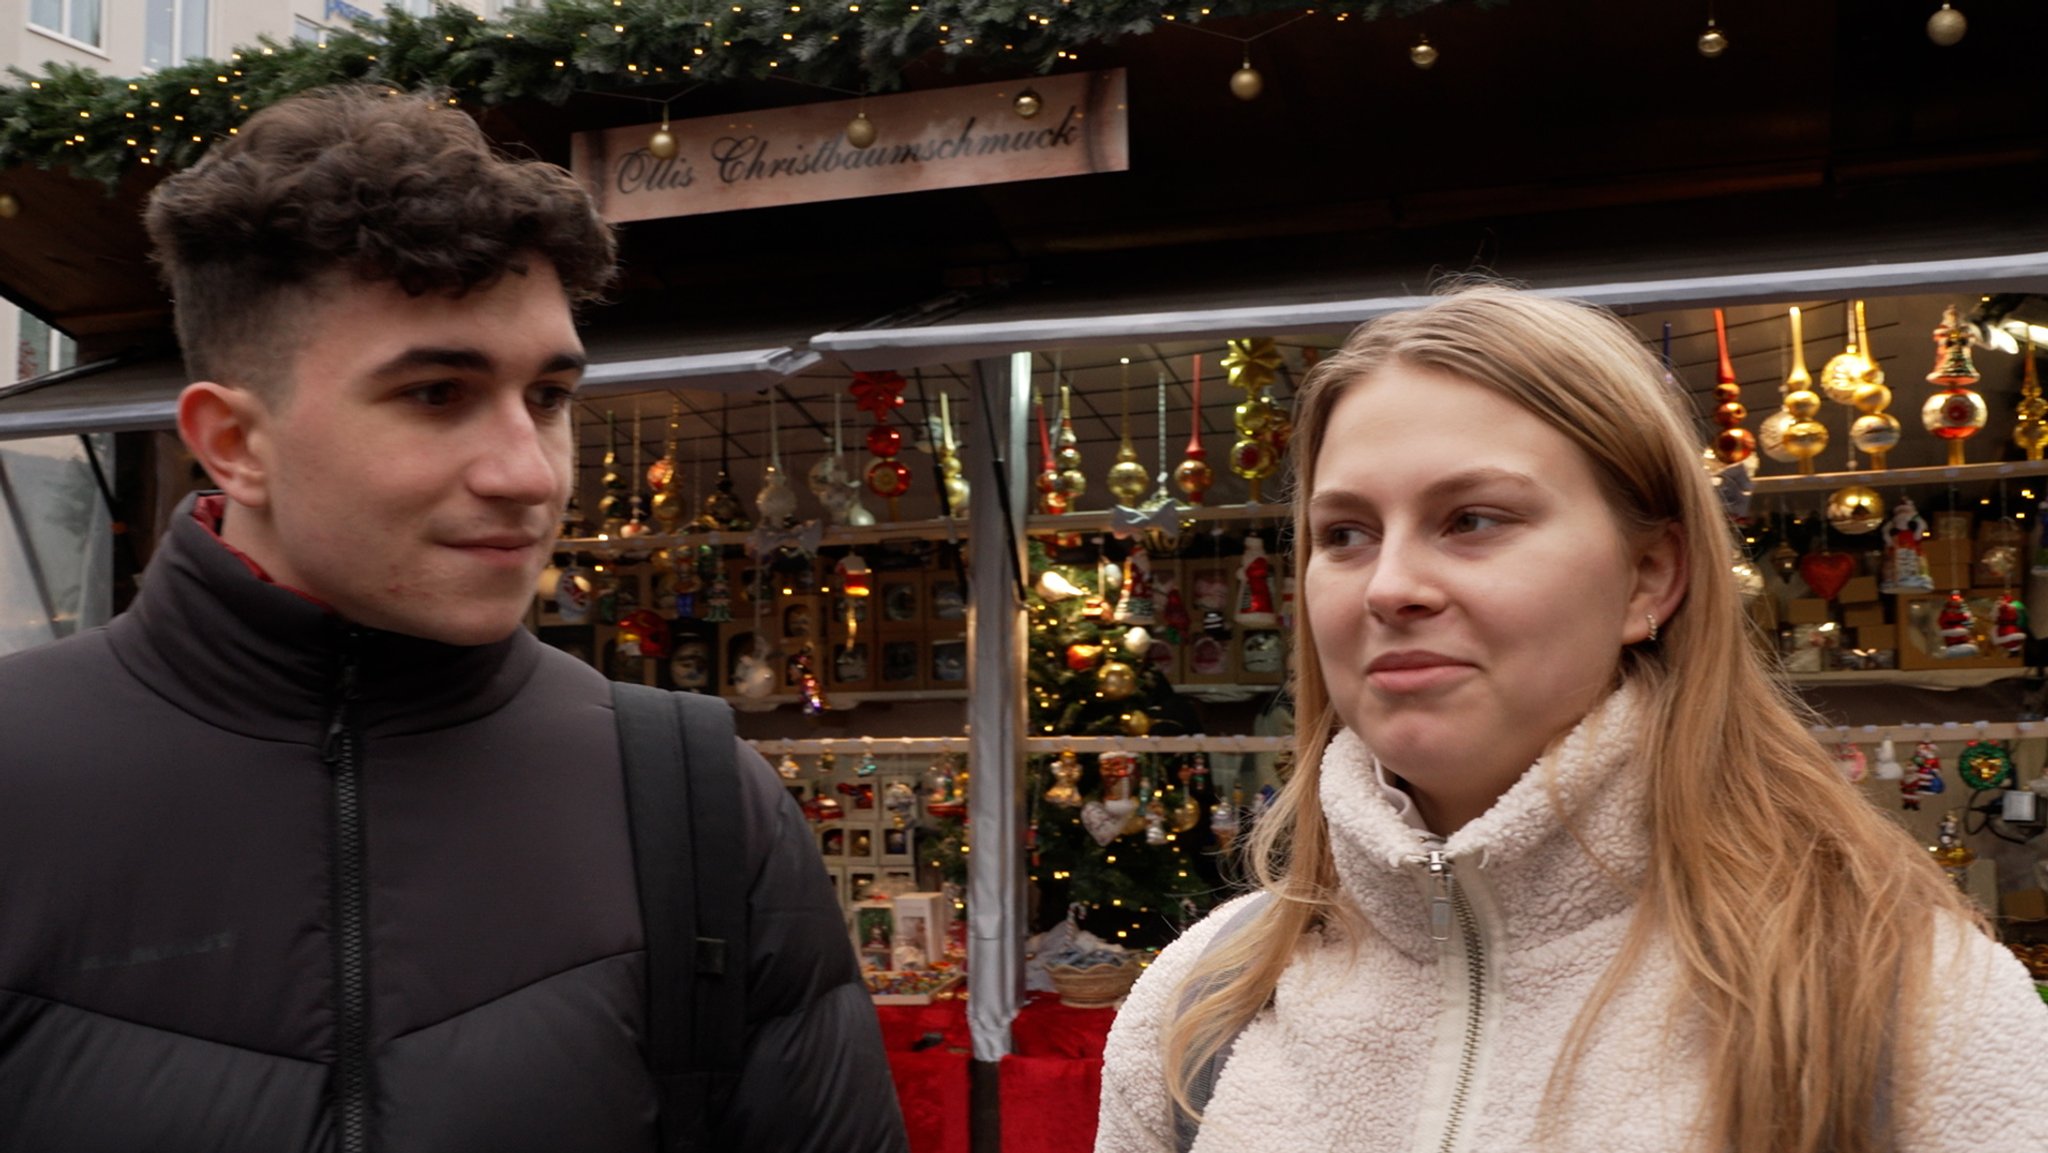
(308,31)
(41,349)
(174,32)
(74,19)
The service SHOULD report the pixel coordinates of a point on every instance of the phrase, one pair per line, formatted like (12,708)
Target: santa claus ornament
(1956,625)
(1922,778)
(1257,607)
(1134,604)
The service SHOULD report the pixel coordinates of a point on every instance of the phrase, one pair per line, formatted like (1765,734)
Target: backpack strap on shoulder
(688,831)
(1202,1085)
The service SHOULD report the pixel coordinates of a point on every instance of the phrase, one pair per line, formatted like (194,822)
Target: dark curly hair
(367,183)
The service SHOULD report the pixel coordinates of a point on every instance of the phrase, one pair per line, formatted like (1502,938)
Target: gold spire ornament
(952,478)
(665,476)
(636,516)
(1957,411)
(1852,367)
(1876,432)
(1805,437)
(2030,432)
(1262,429)
(1127,478)
(1073,483)
(616,506)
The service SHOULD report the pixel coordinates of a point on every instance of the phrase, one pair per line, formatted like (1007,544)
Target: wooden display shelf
(1098,520)
(614,546)
(1896,477)
(839,701)
(1920,678)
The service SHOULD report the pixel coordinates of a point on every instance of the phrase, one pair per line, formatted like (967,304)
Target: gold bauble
(1068,458)
(1844,373)
(1870,397)
(1875,433)
(1806,439)
(1128,480)
(1028,104)
(662,144)
(1255,416)
(1713,42)
(1246,83)
(1193,477)
(669,509)
(1423,55)
(1947,27)
(1135,723)
(860,131)
(9,206)
(1073,485)
(1770,436)
(1116,680)
(1802,403)
(1856,509)
(663,561)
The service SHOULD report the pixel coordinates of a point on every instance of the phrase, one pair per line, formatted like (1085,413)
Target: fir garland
(101,126)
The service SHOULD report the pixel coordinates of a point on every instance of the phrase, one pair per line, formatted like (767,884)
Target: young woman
(1559,866)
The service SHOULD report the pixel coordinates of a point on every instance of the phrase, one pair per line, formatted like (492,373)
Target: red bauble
(1081,658)
(1734,445)
(885,440)
(1730,414)
(1725,392)
(888,478)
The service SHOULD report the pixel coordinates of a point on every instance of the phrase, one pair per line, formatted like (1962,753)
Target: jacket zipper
(351,953)
(1449,905)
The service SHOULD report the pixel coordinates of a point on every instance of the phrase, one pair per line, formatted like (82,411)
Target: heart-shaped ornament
(1101,824)
(1826,571)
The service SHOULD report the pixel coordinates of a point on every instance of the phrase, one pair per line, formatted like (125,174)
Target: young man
(316,847)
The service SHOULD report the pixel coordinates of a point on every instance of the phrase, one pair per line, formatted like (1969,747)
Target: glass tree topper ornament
(1073,483)
(1127,477)
(1734,443)
(1193,475)
(1805,437)
(1262,429)
(952,475)
(1957,411)
(2030,431)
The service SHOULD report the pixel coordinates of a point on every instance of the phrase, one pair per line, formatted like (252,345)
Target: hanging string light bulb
(1193,476)
(1947,27)
(2030,432)
(1127,479)
(1957,411)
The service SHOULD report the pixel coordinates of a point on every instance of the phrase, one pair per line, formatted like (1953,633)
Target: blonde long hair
(1796,911)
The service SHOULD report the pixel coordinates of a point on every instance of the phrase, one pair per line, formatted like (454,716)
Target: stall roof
(1103,313)
(130,395)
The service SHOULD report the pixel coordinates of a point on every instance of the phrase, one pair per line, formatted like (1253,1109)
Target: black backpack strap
(1202,1085)
(688,830)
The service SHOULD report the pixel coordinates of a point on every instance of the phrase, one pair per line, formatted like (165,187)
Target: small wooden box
(902,663)
(798,620)
(900,603)
(1863,616)
(1807,611)
(1876,637)
(1260,657)
(1858,591)
(945,604)
(1919,639)
(850,666)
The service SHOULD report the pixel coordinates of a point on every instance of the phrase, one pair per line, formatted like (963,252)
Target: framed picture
(902,664)
(948,596)
(862,842)
(902,606)
(851,665)
(899,846)
(874,933)
(949,665)
(799,618)
(921,922)
(832,842)
(860,884)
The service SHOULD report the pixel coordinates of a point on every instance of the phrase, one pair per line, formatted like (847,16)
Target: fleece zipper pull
(1440,907)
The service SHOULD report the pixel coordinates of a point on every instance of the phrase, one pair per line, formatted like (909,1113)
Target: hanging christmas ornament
(1957,626)
(755,674)
(1947,26)
(788,768)
(665,476)
(2009,626)
(810,687)
(835,485)
(1984,765)
(868,766)
(1923,779)
(663,143)
(1849,762)
(1028,103)
(1073,483)
(1733,444)
(1253,365)
(1825,571)
(1115,680)
(1256,607)
(9,206)
(881,394)
(721,509)
(1066,778)
(617,505)
(860,131)
(1134,603)
(572,512)
(1713,41)
(1135,723)
(1193,475)
(1852,367)
(2030,431)
(1423,54)
(1957,411)
(1950,852)
(1054,587)
(1155,819)
(952,475)
(1855,510)
(1052,501)
(1127,478)
(637,522)
(1223,820)
(1887,762)
(1905,562)
(775,504)
(1246,83)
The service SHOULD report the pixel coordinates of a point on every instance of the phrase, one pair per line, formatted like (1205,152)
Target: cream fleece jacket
(1414,1044)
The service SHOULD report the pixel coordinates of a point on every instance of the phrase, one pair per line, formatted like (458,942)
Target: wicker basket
(1094,986)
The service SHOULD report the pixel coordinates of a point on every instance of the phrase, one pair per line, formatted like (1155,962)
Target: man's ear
(224,428)
(1660,582)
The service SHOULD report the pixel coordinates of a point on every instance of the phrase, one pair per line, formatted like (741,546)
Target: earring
(1653,625)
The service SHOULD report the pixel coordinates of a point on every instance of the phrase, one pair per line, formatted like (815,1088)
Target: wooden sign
(947,138)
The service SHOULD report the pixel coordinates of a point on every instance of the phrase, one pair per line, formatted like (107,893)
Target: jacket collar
(214,636)
(1543,883)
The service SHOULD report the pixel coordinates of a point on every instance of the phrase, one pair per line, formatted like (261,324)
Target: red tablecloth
(1050,1085)
(931,1085)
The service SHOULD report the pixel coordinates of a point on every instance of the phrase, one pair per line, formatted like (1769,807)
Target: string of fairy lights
(101,127)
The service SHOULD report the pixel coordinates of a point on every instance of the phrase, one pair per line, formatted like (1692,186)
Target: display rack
(1896,477)
(1945,731)
(1036,746)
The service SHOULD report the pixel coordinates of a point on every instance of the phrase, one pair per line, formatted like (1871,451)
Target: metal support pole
(996,704)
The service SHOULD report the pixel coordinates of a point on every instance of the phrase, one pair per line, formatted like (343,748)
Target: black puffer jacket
(176,965)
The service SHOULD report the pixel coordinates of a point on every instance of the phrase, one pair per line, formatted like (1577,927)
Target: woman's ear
(1660,583)
(222,426)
